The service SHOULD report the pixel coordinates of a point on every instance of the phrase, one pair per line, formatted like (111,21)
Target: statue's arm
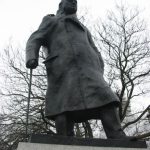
(36,40)
(97,51)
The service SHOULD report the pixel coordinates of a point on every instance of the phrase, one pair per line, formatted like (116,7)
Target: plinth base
(47,142)
(36,146)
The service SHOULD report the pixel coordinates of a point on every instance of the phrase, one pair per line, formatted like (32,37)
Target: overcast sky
(20,17)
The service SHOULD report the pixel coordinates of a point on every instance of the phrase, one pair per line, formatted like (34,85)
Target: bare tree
(14,91)
(125,44)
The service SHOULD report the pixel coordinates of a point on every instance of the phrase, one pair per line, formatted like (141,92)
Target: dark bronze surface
(74,65)
(75,73)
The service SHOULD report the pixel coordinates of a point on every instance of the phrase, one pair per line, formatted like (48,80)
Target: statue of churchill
(76,89)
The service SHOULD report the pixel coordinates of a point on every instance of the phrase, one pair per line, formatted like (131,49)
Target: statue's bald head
(68,6)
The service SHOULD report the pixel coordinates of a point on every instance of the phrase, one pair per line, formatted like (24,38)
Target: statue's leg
(61,124)
(64,126)
(70,128)
(111,122)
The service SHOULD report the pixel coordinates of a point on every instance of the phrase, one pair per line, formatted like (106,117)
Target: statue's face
(69,6)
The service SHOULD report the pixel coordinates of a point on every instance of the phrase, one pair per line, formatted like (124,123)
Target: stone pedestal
(47,142)
(36,146)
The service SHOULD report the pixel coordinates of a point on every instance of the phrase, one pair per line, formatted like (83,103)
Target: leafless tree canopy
(124,41)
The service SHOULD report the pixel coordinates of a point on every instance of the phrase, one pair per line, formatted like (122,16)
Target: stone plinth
(47,142)
(36,146)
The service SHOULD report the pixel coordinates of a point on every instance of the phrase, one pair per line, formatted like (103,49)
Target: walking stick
(28,103)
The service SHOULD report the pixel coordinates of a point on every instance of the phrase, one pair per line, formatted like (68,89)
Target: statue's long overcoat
(74,66)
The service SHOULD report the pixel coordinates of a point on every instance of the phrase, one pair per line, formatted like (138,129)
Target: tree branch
(132,122)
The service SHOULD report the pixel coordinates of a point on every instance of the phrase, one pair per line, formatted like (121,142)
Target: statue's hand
(32,64)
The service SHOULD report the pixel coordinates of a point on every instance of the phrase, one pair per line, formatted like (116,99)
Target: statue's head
(67,7)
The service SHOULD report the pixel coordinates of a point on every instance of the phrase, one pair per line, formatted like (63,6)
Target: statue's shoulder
(48,17)
(47,20)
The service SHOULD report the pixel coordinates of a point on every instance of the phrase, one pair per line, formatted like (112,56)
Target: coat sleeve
(97,51)
(37,39)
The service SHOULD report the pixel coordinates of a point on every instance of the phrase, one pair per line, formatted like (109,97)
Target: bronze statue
(76,90)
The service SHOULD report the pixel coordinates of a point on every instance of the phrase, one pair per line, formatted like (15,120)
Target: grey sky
(20,17)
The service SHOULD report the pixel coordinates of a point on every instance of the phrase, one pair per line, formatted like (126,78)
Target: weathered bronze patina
(76,90)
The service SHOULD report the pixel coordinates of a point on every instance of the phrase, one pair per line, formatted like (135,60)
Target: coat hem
(52,116)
